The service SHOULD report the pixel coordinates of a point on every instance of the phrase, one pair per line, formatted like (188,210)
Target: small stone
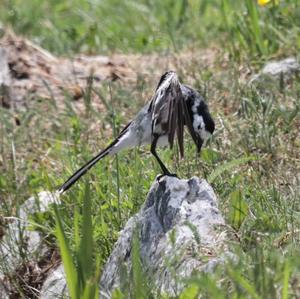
(19,243)
(282,69)
(55,285)
(285,66)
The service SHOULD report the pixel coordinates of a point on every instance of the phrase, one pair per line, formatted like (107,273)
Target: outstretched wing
(176,118)
(166,109)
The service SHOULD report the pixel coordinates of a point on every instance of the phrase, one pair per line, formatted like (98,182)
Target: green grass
(252,161)
(82,275)
(66,27)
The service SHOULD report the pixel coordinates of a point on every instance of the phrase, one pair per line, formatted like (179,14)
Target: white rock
(275,69)
(55,285)
(19,242)
(183,210)
(285,66)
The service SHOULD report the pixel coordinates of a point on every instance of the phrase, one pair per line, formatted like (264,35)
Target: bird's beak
(199,144)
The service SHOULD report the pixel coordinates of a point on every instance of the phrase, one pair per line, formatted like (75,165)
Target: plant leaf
(69,266)
(238,209)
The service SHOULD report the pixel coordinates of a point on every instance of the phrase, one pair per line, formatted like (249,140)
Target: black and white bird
(172,106)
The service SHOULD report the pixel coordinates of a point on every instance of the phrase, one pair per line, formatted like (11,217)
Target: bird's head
(201,120)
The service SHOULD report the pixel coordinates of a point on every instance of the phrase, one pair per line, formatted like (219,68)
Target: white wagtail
(172,106)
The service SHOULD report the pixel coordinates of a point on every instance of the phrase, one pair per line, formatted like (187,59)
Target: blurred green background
(106,26)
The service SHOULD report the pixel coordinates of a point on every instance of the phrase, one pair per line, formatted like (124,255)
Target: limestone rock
(179,224)
(55,285)
(286,66)
(20,244)
(4,79)
(283,69)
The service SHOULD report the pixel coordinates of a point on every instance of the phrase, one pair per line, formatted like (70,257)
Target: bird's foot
(158,178)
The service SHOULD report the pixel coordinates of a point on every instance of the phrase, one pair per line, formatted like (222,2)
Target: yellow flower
(265,2)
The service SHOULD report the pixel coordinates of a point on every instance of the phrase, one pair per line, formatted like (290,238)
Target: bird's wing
(176,118)
(167,117)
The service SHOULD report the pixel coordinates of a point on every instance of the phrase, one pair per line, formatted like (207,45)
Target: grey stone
(179,224)
(54,286)
(285,69)
(3,292)
(5,92)
(285,66)
(4,70)
(19,243)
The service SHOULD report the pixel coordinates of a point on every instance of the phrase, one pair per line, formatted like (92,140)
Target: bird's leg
(161,164)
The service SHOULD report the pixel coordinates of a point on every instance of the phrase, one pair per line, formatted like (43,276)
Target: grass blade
(90,290)
(286,276)
(69,266)
(229,165)
(86,243)
(243,282)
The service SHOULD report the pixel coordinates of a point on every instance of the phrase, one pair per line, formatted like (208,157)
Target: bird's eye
(199,127)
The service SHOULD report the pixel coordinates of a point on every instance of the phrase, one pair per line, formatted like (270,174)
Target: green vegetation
(150,25)
(82,277)
(252,161)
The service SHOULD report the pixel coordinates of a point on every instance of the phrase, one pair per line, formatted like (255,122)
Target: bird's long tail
(113,148)
(81,171)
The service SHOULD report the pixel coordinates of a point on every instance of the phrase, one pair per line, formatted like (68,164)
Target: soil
(37,74)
